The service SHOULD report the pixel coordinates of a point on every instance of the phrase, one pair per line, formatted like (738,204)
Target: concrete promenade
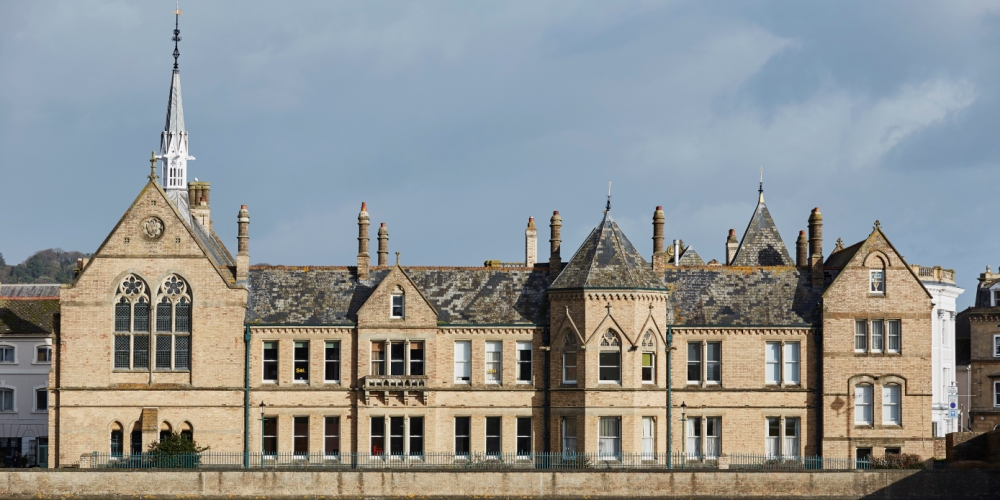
(912,484)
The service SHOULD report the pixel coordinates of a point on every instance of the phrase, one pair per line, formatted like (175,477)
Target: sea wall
(913,484)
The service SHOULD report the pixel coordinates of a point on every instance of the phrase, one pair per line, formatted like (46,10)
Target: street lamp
(684,428)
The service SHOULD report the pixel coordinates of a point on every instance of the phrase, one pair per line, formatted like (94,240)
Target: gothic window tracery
(173,325)
(131,339)
(609,368)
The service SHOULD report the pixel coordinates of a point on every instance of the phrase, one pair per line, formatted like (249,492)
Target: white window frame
(871,281)
(522,347)
(610,344)
(397,295)
(337,362)
(996,393)
(296,361)
(576,361)
(772,363)
(263,362)
(713,442)
(463,367)
(518,436)
(498,436)
(709,363)
(898,336)
(996,346)
(34,401)
(652,367)
(861,335)
(494,362)
(340,431)
(604,441)
(888,406)
(13,399)
(790,448)
(772,444)
(4,347)
(34,359)
(791,350)
(648,438)
(861,402)
(996,297)
(877,338)
(699,362)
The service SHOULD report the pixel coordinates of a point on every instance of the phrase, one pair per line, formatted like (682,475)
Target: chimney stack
(732,245)
(801,249)
(243,245)
(659,258)
(555,242)
(198,203)
(816,246)
(363,259)
(530,244)
(383,245)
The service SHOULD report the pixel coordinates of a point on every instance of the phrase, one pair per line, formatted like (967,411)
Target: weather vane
(177,32)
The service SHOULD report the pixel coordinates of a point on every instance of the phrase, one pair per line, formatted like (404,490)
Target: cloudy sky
(456,121)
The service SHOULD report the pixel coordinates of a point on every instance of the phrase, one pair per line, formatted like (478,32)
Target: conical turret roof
(761,244)
(607,259)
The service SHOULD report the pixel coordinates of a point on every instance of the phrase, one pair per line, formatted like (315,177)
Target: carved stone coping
(765,331)
(471,330)
(301,330)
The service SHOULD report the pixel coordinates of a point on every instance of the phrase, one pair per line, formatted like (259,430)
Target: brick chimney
(816,246)
(363,259)
(383,245)
(530,244)
(732,245)
(659,258)
(555,242)
(243,244)
(801,249)
(198,202)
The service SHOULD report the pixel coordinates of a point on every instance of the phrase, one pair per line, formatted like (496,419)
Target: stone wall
(920,484)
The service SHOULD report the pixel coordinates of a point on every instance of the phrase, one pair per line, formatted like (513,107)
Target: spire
(174,139)
(608,206)
(761,244)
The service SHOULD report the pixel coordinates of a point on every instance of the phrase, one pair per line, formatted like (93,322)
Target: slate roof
(761,244)
(28,308)
(727,296)
(689,257)
(216,250)
(606,259)
(840,258)
(461,295)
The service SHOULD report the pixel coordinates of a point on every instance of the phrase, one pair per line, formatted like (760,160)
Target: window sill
(303,382)
(41,412)
(609,382)
(864,426)
(462,382)
(649,382)
(569,382)
(164,370)
(130,370)
(523,382)
(41,362)
(331,382)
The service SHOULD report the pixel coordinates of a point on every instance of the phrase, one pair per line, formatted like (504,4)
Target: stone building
(979,346)
(164,330)
(27,318)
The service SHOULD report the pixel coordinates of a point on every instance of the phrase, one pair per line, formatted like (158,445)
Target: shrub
(175,451)
(900,461)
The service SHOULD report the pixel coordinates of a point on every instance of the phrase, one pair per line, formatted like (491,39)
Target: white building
(27,316)
(941,284)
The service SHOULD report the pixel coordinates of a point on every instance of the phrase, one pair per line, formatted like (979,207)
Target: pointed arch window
(173,325)
(610,359)
(398,306)
(569,359)
(649,358)
(131,339)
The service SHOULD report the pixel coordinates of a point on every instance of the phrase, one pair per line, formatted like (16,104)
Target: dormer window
(398,303)
(996,298)
(877,280)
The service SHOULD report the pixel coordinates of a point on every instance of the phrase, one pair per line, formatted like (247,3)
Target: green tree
(175,452)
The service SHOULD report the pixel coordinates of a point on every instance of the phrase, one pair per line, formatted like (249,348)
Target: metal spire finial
(177,32)
(608,206)
(152,166)
(760,190)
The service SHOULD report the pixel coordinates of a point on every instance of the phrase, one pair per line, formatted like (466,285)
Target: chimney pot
(363,258)
(530,244)
(555,244)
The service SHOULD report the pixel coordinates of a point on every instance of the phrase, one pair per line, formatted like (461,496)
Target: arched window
(173,325)
(131,339)
(569,362)
(609,362)
(117,438)
(398,307)
(649,358)
(187,431)
(890,405)
(165,430)
(863,404)
(135,439)
(876,275)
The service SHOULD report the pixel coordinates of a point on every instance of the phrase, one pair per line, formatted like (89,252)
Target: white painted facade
(940,283)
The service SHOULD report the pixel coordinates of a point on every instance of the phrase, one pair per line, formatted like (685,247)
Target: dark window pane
(416,358)
(396,358)
(123,311)
(271,435)
(182,352)
(140,351)
(164,319)
(136,444)
(116,443)
(41,400)
(300,431)
(140,316)
(163,352)
(493,435)
(331,438)
(332,361)
(610,366)
(301,361)
(462,426)
(397,428)
(378,435)
(523,435)
(270,361)
(416,435)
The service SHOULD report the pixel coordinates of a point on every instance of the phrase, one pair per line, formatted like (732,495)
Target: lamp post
(262,420)
(684,427)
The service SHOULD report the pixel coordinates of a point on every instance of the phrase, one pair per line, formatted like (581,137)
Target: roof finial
(397,258)
(608,206)
(152,166)
(878,225)
(760,190)
(177,32)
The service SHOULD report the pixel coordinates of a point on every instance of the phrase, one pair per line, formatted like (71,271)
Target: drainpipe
(246,399)
(670,341)
(547,408)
